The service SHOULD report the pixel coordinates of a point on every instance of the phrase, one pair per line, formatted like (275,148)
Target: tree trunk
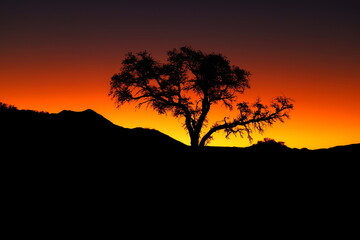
(195,140)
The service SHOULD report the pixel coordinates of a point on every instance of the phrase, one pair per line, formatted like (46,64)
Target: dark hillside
(80,133)
(71,152)
(87,134)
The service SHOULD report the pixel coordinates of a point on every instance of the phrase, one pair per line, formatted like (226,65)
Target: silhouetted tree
(188,85)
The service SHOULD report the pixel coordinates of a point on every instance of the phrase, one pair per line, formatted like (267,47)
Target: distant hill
(87,134)
(73,132)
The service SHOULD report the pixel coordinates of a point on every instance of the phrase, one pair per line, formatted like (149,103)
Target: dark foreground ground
(86,146)
(78,171)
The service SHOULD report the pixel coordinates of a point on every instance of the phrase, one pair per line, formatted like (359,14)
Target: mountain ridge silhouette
(89,133)
(71,131)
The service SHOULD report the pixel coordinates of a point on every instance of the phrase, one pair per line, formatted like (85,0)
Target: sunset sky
(57,55)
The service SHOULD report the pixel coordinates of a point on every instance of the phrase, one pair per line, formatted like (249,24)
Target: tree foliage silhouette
(188,85)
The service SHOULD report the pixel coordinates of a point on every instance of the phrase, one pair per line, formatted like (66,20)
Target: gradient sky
(57,55)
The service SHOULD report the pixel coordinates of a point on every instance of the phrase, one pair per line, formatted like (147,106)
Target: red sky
(61,55)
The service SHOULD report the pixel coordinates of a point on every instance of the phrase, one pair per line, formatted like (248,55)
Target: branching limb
(254,118)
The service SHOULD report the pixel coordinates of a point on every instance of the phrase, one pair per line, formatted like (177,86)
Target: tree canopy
(188,85)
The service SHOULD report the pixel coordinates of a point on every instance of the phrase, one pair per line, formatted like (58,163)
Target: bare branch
(256,118)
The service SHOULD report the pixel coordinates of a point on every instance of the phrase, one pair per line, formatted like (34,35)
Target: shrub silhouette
(188,85)
(270,141)
(7,107)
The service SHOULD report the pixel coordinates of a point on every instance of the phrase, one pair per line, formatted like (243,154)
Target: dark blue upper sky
(188,21)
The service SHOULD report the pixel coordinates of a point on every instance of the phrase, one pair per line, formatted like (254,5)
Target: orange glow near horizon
(323,116)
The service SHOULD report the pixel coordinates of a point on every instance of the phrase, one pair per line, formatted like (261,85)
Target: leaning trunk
(207,136)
